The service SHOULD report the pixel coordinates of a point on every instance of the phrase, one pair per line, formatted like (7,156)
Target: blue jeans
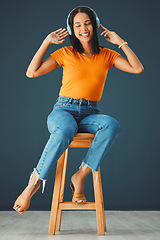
(68,117)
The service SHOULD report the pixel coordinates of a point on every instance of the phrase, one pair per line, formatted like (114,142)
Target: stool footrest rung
(72,206)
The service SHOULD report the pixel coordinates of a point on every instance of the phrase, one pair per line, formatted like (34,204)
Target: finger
(65,35)
(103,32)
(106,34)
(62,34)
(108,39)
(104,28)
(61,37)
(58,30)
(62,30)
(61,41)
(66,32)
(101,27)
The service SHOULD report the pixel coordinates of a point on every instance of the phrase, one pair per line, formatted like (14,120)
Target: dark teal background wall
(131,169)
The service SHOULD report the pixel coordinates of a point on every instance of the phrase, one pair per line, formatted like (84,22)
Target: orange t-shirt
(84,77)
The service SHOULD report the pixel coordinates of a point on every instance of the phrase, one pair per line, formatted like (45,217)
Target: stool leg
(98,203)
(56,194)
(59,215)
(104,219)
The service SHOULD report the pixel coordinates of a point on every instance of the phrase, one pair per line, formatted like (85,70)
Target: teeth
(85,34)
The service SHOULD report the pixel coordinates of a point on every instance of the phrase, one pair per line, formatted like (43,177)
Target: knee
(116,128)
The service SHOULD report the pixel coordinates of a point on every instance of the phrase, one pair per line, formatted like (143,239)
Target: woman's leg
(106,130)
(62,127)
(78,180)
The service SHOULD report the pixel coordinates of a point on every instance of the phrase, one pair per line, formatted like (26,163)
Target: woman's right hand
(57,37)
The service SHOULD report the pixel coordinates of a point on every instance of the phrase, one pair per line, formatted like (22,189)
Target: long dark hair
(74,40)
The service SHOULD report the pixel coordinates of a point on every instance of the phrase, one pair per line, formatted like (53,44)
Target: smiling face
(82,27)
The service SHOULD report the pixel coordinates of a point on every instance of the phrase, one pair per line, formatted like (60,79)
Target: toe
(20,210)
(16,206)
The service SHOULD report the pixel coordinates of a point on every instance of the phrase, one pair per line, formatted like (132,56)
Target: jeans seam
(44,157)
(94,140)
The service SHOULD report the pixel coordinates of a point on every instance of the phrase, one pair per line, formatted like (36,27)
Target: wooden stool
(80,140)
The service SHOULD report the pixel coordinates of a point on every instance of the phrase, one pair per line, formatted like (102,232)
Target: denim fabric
(68,117)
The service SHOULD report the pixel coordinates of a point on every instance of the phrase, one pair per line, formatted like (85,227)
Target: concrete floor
(126,225)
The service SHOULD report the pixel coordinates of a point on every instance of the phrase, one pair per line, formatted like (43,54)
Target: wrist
(124,43)
(46,41)
(120,42)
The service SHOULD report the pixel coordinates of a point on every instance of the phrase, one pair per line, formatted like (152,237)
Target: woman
(85,66)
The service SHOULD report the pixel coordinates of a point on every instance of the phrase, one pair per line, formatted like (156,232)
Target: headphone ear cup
(98,22)
(68,29)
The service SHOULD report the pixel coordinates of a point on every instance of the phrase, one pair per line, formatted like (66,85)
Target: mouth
(85,35)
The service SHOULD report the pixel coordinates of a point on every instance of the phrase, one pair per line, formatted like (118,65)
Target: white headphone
(96,16)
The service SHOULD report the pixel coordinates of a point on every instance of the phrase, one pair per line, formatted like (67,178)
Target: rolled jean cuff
(84,166)
(38,177)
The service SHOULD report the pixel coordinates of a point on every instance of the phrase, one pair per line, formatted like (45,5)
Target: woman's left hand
(113,37)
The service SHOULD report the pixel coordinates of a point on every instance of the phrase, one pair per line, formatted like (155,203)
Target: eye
(88,23)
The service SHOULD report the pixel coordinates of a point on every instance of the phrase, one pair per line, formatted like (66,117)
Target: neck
(87,47)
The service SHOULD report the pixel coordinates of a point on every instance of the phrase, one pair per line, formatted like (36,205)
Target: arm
(37,67)
(132,63)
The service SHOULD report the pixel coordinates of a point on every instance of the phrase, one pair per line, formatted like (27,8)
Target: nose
(83,27)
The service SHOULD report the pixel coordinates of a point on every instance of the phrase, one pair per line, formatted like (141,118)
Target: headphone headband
(96,16)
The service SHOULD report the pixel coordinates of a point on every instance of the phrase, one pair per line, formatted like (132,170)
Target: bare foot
(78,185)
(23,201)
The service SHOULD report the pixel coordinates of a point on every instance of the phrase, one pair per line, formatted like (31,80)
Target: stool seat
(80,140)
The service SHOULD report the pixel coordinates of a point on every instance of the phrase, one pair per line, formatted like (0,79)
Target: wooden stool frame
(80,140)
